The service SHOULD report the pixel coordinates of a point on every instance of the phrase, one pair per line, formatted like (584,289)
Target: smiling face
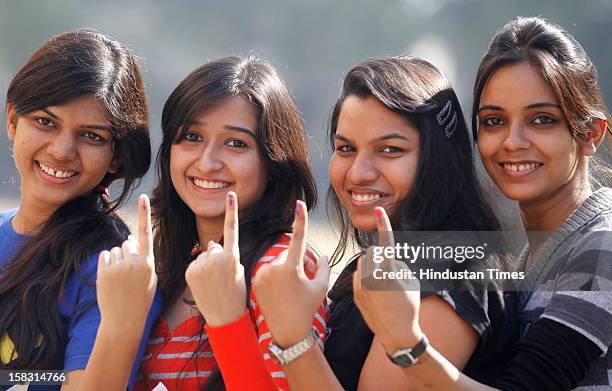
(523,137)
(61,152)
(375,159)
(219,153)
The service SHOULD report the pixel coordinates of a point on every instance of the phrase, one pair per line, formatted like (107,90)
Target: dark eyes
(391,149)
(539,120)
(386,150)
(93,136)
(193,137)
(236,144)
(344,148)
(196,138)
(89,135)
(493,121)
(543,120)
(44,121)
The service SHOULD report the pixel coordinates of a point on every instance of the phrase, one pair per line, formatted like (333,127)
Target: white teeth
(365,197)
(210,185)
(520,167)
(58,173)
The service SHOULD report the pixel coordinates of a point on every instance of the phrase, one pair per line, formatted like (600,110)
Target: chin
(364,223)
(209,212)
(521,194)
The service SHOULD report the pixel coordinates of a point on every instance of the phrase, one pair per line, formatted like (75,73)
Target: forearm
(111,360)
(434,372)
(238,356)
(311,372)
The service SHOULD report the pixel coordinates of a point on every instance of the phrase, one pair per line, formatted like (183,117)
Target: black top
(348,338)
(551,357)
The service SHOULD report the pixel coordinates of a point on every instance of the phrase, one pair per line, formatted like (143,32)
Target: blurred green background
(312,43)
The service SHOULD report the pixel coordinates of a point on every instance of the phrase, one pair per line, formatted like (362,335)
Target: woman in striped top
(233,140)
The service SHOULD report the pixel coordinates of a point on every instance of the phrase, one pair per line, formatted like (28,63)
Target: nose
(62,147)
(362,170)
(517,138)
(210,160)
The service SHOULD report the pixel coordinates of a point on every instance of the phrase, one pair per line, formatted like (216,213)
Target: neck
(209,229)
(543,216)
(30,217)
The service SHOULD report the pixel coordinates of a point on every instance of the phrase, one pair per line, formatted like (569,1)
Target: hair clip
(196,249)
(447,119)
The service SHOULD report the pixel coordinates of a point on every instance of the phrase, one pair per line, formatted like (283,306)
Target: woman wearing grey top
(540,118)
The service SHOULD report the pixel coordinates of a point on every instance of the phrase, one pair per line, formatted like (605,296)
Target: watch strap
(285,356)
(408,357)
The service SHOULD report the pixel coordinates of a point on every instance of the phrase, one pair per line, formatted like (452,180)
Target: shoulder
(5,216)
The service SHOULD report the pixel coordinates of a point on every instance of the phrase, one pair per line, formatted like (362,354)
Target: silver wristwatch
(285,356)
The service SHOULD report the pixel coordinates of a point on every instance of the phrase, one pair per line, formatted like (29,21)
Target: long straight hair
(445,194)
(281,140)
(68,66)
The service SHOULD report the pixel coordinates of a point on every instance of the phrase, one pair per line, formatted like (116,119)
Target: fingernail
(142,202)
(299,208)
(378,212)
(230,198)
(106,257)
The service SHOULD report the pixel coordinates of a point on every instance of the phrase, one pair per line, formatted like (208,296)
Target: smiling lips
(208,185)
(56,173)
(520,168)
(365,198)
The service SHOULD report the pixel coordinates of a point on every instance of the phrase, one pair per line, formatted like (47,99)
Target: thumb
(321,276)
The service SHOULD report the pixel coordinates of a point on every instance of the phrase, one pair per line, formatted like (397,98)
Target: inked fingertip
(300,208)
(378,211)
(231,198)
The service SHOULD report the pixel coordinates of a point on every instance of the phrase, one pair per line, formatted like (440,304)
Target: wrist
(285,340)
(226,318)
(408,338)
(119,333)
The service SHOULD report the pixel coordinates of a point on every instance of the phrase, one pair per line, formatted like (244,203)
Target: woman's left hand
(216,276)
(285,294)
(389,306)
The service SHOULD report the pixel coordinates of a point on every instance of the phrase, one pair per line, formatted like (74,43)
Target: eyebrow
(388,136)
(233,128)
(91,126)
(528,107)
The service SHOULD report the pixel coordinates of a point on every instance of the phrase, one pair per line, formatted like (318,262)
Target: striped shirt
(169,357)
(570,282)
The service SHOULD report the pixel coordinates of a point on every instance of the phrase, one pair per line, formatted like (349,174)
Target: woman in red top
(233,139)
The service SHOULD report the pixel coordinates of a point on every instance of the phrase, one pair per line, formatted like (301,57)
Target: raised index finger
(383,226)
(230,226)
(145,231)
(297,246)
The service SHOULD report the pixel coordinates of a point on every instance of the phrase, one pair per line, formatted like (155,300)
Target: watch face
(276,353)
(403,359)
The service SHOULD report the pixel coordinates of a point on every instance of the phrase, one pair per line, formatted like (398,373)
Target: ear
(595,134)
(11,121)
(115,164)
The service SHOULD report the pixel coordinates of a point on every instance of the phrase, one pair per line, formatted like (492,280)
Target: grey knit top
(570,282)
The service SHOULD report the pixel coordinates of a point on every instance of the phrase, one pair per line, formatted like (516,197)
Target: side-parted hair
(282,142)
(445,194)
(68,66)
(561,61)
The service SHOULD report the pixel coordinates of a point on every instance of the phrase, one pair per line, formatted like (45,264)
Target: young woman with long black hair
(233,162)
(539,117)
(400,142)
(77,117)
